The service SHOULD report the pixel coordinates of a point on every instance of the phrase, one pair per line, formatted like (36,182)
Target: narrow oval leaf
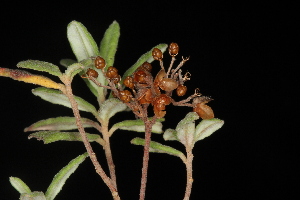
(40,66)
(59,123)
(54,136)
(145,57)
(81,41)
(170,134)
(21,75)
(67,62)
(137,125)
(19,185)
(186,129)
(110,107)
(156,147)
(73,70)
(57,97)
(61,177)
(207,127)
(33,196)
(109,43)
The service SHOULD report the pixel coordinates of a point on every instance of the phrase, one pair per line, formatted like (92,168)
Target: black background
(241,54)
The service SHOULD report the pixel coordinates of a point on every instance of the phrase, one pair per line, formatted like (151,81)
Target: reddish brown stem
(68,92)
(189,173)
(148,129)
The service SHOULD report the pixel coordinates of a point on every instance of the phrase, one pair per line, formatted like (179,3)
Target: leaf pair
(55,186)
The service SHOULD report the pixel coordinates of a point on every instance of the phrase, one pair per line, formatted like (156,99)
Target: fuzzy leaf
(67,62)
(207,127)
(109,43)
(33,196)
(57,97)
(54,136)
(110,107)
(74,69)
(156,147)
(81,41)
(59,123)
(137,125)
(186,129)
(40,66)
(61,177)
(19,185)
(145,57)
(170,134)
(21,75)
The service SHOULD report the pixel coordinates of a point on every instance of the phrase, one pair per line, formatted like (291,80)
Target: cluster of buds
(142,89)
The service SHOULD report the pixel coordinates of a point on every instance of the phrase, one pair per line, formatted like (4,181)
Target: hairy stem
(108,154)
(148,129)
(189,173)
(68,92)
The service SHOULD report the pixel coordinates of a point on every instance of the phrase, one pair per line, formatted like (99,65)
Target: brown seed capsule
(125,96)
(157,54)
(168,84)
(173,49)
(204,111)
(112,72)
(159,105)
(140,76)
(146,66)
(128,82)
(92,73)
(181,90)
(99,62)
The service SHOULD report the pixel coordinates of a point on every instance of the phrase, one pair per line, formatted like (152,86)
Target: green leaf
(73,70)
(109,43)
(137,125)
(207,127)
(67,62)
(19,185)
(54,136)
(61,177)
(145,57)
(156,147)
(57,97)
(33,196)
(59,123)
(110,107)
(186,129)
(81,41)
(170,134)
(40,66)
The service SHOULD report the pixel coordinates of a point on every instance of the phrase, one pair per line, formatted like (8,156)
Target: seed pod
(157,54)
(168,84)
(99,62)
(159,105)
(125,96)
(181,90)
(204,111)
(92,73)
(128,82)
(146,66)
(140,76)
(173,49)
(112,72)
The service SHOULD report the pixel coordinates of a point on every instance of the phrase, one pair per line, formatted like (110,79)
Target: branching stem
(68,92)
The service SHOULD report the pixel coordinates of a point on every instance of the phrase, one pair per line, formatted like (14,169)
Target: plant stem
(108,155)
(148,129)
(189,173)
(68,92)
